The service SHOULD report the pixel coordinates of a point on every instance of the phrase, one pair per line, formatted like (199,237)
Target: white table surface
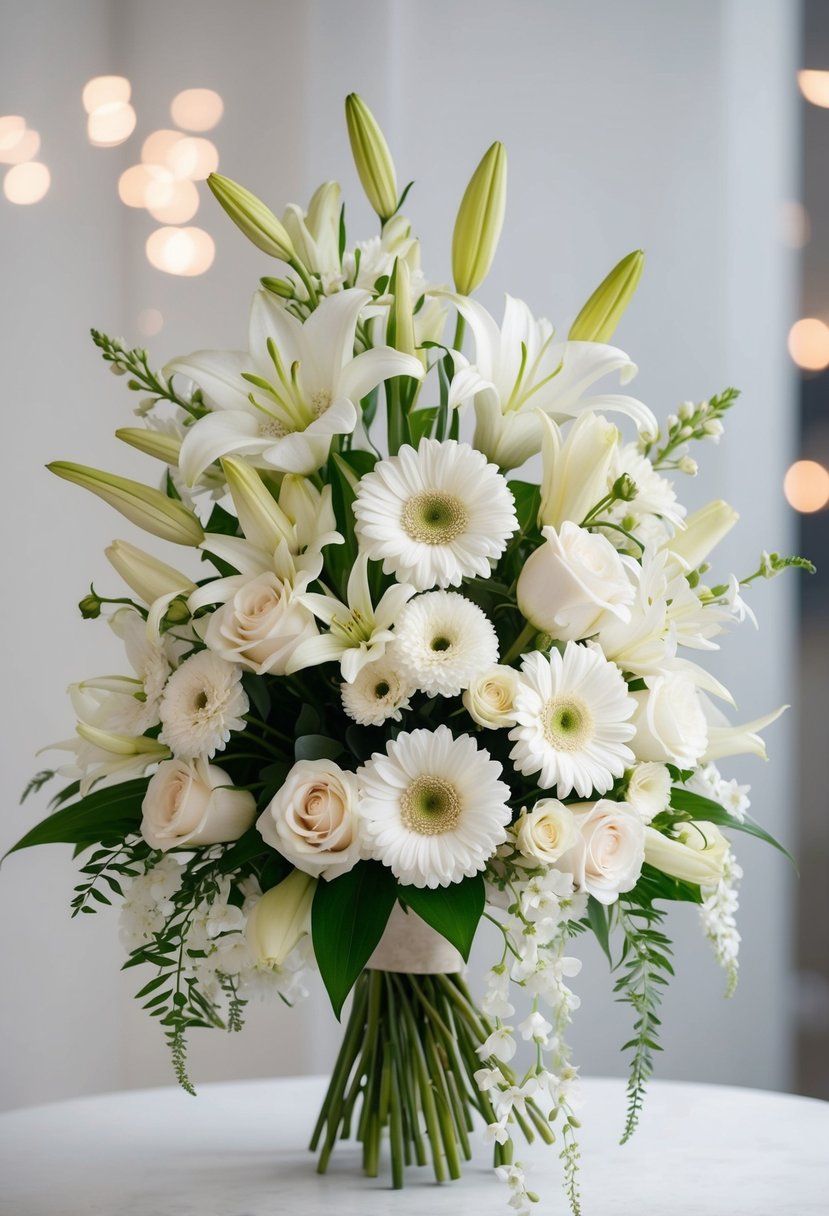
(241,1150)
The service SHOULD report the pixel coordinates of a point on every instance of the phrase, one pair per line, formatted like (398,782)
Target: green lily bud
(151,443)
(263,522)
(479,222)
(122,745)
(278,287)
(400,328)
(253,218)
(371,156)
(703,531)
(281,918)
(90,606)
(601,314)
(142,505)
(146,575)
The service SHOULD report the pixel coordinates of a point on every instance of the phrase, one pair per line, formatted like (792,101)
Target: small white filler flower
(202,703)
(443,642)
(436,515)
(433,808)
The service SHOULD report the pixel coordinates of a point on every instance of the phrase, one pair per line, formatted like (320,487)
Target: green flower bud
(278,287)
(90,606)
(601,314)
(252,217)
(151,443)
(144,506)
(144,574)
(371,156)
(479,221)
(177,611)
(400,329)
(624,488)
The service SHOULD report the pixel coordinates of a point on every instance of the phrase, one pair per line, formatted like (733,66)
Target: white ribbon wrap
(411,946)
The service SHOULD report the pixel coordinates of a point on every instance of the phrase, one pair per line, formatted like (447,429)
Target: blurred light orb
(156,147)
(150,321)
(197,109)
(183,251)
(806,486)
(105,90)
(19,146)
(12,130)
(133,185)
(192,158)
(110,124)
(809,344)
(796,227)
(814,86)
(27,183)
(173,202)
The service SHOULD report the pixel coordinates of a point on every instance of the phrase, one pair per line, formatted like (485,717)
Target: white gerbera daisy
(202,703)
(435,515)
(433,808)
(443,641)
(572,712)
(377,693)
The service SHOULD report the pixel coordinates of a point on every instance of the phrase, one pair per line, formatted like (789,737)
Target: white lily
(743,739)
(358,633)
(281,402)
(519,369)
(315,233)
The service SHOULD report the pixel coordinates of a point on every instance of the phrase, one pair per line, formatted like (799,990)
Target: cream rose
(313,820)
(188,803)
(490,698)
(570,583)
(546,832)
(608,856)
(670,722)
(648,790)
(261,625)
(696,854)
(280,919)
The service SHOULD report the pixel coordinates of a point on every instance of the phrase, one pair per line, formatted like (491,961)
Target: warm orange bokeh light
(192,158)
(26,183)
(806,486)
(184,251)
(19,146)
(111,124)
(809,344)
(155,147)
(105,90)
(197,109)
(814,86)
(172,202)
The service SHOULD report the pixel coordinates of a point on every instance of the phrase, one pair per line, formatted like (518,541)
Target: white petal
(268,319)
(304,451)
(218,373)
(218,435)
(329,332)
(372,367)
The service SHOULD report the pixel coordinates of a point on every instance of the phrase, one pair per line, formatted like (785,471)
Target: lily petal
(218,373)
(372,367)
(220,434)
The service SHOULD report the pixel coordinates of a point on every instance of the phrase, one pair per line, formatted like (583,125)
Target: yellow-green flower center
(434,518)
(430,806)
(568,724)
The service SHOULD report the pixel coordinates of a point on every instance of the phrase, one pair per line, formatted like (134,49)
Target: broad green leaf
(243,850)
(454,911)
(653,884)
(348,917)
(317,747)
(421,423)
(114,811)
(527,501)
(308,722)
(599,920)
(257,689)
(698,807)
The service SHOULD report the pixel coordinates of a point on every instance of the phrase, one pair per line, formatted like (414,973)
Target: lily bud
(122,745)
(279,287)
(263,522)
(400,328)
(142,505)
(281,918)
(372,157)
(479,221)
(702,533)
(576,468)
(697,855)
(151,443)
(146,575)
(252,217)
(601,314)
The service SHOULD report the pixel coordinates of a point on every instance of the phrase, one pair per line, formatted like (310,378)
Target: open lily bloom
(520,369)
(281,402)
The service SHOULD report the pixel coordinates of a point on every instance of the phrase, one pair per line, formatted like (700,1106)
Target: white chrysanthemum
(572,712)
(443,641)
(433,808)
(202,703)
(379,692)
(435,515)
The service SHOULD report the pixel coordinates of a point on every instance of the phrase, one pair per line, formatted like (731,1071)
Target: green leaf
(257,689)
(317,747)
(308,722)
(653,884)
(115,811)
(698,807)
(527,501)
(599,920)
(454,911)
(421,423)
(243,850)
(348,917)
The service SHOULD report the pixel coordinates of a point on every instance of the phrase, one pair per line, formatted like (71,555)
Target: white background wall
(666,126)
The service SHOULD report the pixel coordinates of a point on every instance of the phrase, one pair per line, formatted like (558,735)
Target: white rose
(187,803)
(697,854)
(546,832)
(670,722)
(313,820)
(261,625)
(490,698)
(571,581)
(607,858)
(280,919)
(649,790)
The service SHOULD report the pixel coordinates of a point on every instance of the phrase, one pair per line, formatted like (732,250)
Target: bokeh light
(197,109)
(19,146)
(172,202)
(814,86)
(111,124)
(192,158)
(156,146)
(806,486)
(809,344)
(150,321)
(26,183)
(181,251)
(105,90)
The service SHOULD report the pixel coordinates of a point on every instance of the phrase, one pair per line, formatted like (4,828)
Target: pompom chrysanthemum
(202,703)
(433,808)
(378,693)
(572,712)
(436,515)
(443,641)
